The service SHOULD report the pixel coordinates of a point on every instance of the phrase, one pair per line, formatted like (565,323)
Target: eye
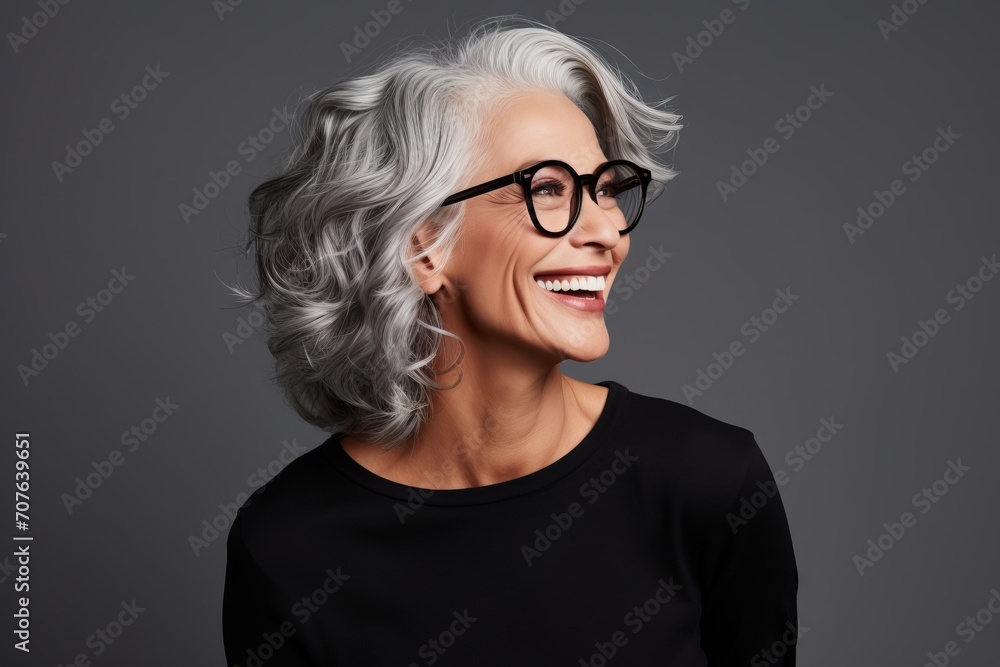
(608,188)
(548,189)
(612,188)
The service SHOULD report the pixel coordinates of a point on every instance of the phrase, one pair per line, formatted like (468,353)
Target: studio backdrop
(823,272)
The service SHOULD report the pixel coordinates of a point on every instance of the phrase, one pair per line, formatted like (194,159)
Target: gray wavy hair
(352,333)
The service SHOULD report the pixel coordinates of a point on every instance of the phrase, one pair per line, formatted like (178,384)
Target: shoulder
(278,508)
(683,430)
(696,458)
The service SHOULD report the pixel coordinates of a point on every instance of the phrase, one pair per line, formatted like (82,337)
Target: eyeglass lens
(553,195)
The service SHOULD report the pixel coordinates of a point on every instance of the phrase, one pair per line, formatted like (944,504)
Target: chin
(592,350)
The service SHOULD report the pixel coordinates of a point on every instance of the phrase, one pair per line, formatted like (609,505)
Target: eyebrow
(527,164)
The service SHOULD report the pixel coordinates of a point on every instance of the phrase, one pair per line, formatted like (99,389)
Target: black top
(660,539)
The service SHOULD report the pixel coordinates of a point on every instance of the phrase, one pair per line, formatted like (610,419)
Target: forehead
(542,125)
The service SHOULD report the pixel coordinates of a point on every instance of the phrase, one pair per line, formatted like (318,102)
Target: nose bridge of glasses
(607,214)
(588,183)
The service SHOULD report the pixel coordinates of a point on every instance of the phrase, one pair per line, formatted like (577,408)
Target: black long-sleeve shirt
(660,539)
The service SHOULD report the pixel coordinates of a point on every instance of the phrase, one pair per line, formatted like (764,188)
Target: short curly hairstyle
(352,333)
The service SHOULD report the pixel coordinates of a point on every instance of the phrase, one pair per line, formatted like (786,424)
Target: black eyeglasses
(553,190)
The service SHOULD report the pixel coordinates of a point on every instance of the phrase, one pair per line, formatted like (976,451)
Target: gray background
(163,335)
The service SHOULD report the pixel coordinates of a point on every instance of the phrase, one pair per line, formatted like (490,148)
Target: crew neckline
(511,488)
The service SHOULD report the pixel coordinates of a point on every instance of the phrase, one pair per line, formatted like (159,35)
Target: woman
(417,258)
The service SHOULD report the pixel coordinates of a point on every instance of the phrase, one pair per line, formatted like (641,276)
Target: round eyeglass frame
(524,176)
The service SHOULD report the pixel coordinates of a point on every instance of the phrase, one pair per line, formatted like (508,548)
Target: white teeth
(589,283)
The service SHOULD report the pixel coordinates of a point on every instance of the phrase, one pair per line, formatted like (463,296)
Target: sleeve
(749,612)
(256,625)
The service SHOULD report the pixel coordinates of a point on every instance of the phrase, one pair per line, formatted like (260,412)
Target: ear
(426,270)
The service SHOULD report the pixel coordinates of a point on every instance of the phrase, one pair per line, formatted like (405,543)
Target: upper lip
(594,270)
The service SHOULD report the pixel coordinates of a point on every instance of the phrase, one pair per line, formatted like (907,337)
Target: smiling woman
(444,233)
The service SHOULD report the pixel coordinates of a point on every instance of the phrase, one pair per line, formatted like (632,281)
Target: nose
(595,223)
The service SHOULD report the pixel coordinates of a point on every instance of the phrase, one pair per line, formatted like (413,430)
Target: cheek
(497,254)
(623,246)
(619,254)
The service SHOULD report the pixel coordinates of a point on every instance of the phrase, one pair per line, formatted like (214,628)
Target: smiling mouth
(573,286)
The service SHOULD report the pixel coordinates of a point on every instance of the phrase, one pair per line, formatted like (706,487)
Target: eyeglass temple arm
(480,189)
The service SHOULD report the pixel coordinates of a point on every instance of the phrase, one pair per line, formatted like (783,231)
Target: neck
(488,429)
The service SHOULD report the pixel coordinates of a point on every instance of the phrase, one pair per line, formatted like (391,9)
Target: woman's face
(497,305)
